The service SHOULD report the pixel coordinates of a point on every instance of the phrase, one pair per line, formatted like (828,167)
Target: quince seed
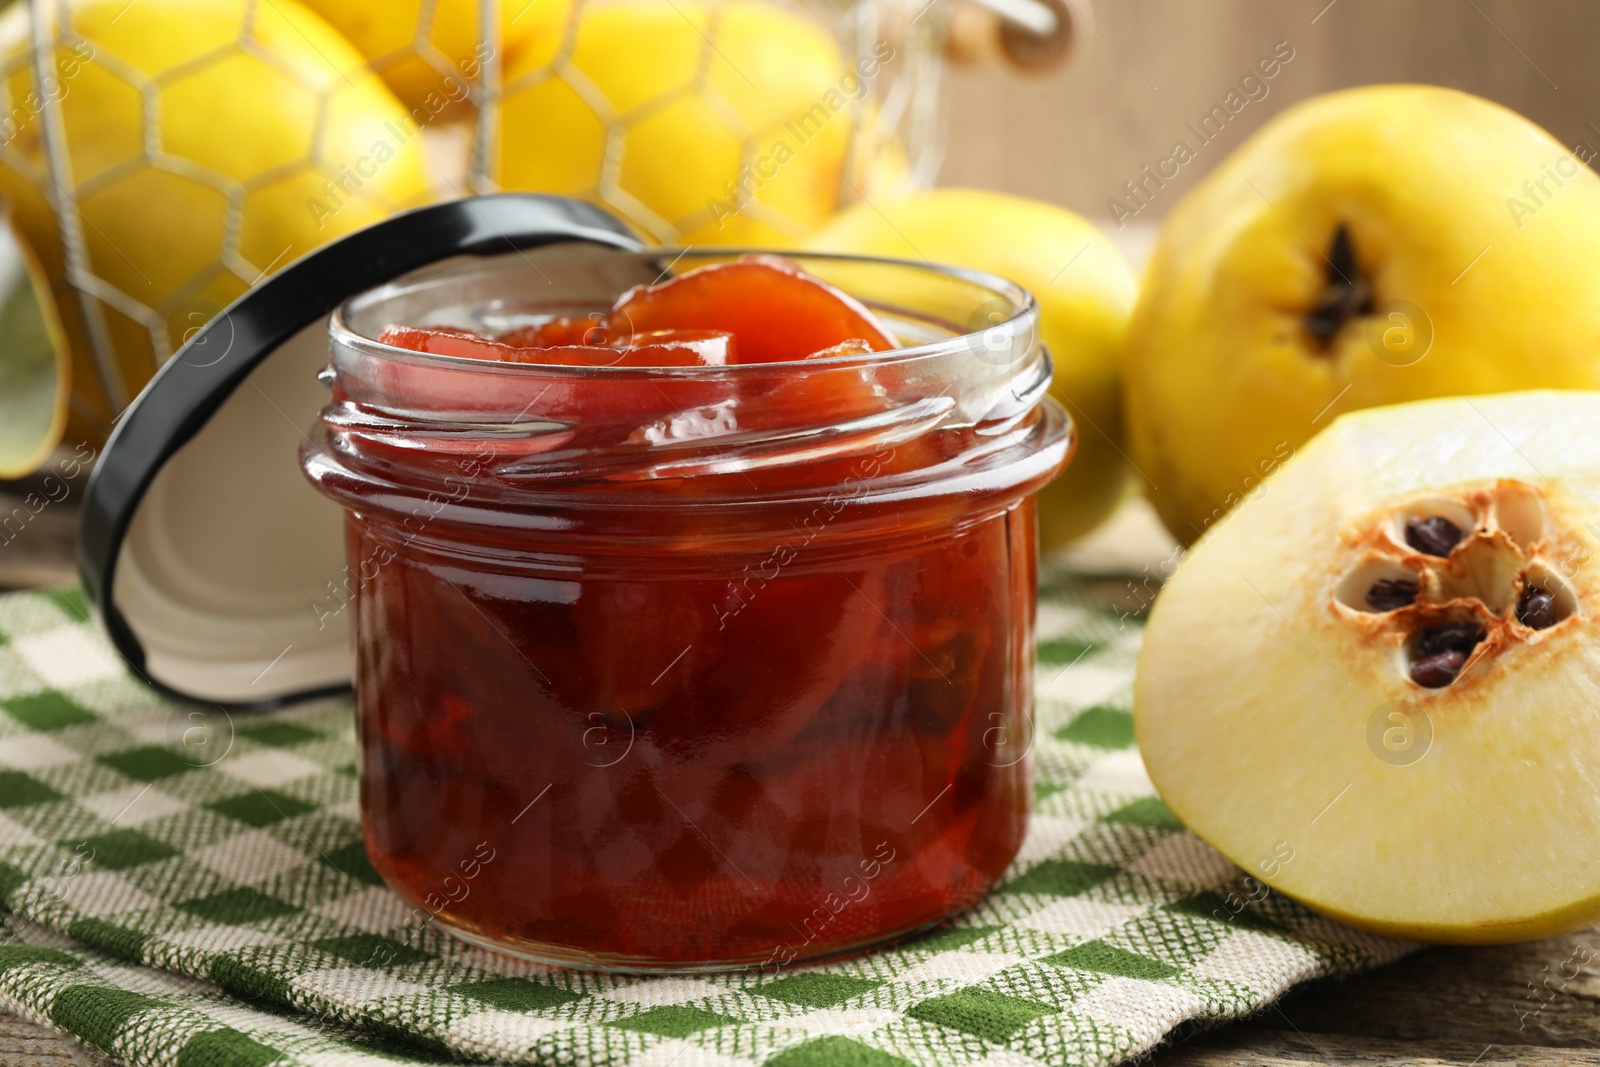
(1536,608)
(1435,535)
(1438,670)
(1441,651)
(1387,594)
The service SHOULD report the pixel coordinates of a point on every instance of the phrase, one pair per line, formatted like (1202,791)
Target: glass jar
(640,687)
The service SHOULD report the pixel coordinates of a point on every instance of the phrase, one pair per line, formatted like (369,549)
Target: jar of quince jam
(694,600)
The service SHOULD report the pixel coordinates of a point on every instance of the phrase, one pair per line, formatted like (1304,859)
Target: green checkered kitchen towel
(174,914)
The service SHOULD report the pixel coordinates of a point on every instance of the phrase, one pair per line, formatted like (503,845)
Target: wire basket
(159,177)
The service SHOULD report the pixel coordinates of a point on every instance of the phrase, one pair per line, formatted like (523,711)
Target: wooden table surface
(1535,1003)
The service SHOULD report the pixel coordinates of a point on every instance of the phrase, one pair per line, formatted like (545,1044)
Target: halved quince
(1376,685)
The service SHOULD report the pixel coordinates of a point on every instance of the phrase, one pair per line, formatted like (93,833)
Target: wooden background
(1141,68)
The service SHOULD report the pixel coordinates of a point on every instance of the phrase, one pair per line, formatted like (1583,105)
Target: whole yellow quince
(1366,247)
(1085,292)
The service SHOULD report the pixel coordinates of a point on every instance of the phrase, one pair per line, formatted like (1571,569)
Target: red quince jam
(657,348)
(726,712)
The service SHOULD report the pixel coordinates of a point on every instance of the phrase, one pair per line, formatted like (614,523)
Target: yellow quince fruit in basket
(429,54)
(202,150)
(703,123)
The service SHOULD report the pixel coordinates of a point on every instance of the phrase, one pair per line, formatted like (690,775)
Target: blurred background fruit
(36,373)
(1085,292)
(723,123)
(1345,257)
(201,151)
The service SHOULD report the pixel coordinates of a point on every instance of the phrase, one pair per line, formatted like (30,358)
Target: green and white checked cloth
(212,916)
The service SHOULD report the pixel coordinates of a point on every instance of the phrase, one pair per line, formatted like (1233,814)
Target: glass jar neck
(915,456)
(960,411)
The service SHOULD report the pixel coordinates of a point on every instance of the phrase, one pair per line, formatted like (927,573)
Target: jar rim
(1024,318)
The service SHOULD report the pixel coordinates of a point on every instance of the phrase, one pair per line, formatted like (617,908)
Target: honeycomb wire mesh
(92,186)
(893,122)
